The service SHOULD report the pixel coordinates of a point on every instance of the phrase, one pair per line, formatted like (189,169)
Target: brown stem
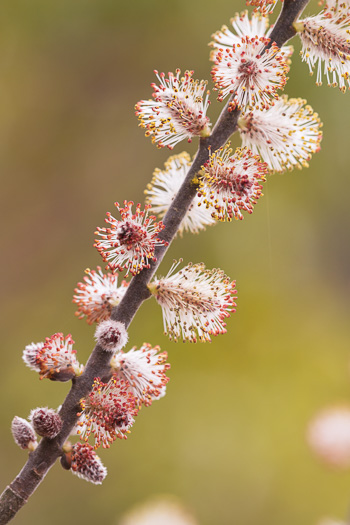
(284,29)
(49,450)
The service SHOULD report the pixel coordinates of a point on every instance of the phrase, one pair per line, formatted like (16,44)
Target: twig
(49,450)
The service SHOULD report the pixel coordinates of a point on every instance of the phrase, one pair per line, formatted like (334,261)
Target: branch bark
(48,451)
(284,30)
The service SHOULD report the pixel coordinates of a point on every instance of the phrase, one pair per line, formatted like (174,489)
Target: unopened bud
(46,422)
(111,335)
(23,433)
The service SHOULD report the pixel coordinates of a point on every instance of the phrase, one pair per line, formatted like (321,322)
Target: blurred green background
(229,438)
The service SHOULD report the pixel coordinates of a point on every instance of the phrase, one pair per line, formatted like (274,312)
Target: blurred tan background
(229,438)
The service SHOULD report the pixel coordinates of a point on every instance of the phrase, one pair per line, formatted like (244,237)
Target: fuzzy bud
(129,243)
(86,464)
(23,433)
(46,422)
(111,335)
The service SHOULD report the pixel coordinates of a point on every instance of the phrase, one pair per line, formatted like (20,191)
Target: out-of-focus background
(229,438)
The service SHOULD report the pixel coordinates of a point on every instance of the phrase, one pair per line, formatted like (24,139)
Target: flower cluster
(130,243)
(55,359)
(86,464)
(324,37)
(285,135)
(177,111)
(232,183)
(144,371)
(250,72)
(326,45)
(138,377)
(107,412)
(97,295)
(195,301)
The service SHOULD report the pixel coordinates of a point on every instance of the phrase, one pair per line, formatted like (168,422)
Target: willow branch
(49,450)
